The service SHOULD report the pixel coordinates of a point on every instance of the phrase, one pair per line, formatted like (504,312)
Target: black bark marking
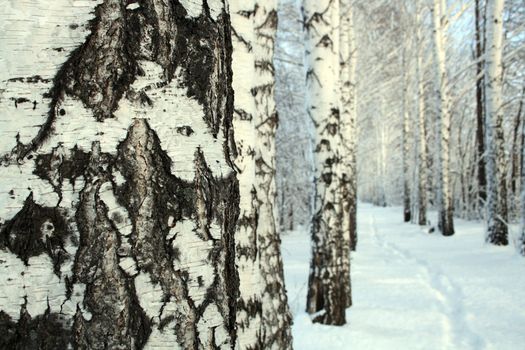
(185,130)
(117,320)
(49,331)
(36,230)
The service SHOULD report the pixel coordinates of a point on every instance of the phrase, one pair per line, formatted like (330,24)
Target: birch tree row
(448,117)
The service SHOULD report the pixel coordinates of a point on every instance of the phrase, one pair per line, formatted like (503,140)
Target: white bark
(247,256)
(348,197)
(497,231)
(276,318)
(327,281)
(123,176)
(263,317)
(444,188)
(421,130)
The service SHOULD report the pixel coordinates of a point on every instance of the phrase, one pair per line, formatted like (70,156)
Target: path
(413,290)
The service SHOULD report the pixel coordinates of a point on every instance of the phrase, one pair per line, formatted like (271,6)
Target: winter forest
(262,174)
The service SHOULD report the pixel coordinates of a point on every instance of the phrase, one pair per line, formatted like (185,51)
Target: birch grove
(449,47)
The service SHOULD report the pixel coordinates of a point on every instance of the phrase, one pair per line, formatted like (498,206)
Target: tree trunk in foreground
(444,190)
(497,231)
(327,285)
(119,211)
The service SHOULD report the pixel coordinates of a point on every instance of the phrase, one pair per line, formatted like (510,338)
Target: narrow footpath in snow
(414,290)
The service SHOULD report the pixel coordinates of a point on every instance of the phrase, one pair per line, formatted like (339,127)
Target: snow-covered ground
(414,290)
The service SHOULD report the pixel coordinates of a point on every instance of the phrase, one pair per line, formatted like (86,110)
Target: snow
(414,290)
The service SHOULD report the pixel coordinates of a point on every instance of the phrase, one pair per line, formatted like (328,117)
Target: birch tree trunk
(263,317)
(407,214)
(118,197)
(347,133)
(249,304)
(352,129)
(327,290)
(444,188)
(276,317)
(422,174)
(497,231)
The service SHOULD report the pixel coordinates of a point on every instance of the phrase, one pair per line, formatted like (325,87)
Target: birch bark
(118,197)
(327,286)
(497,231)
(421,129)
(276,316)
(444,188)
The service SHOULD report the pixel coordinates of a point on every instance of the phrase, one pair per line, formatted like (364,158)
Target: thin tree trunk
(347,132)
(406,148)
(497,214)
(516,157)
(480,117)
(327,281)
(352,134)
(421,130)
(444,189)
(521,243)
(118,232)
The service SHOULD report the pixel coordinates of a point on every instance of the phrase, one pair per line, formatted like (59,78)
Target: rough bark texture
(327,285)
(444,190)
(497,214)
(118,212)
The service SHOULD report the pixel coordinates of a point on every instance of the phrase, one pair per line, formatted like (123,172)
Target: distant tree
(480,115)
(521,244)
(443,120)
(421,132)
(497,211)
(348,174)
